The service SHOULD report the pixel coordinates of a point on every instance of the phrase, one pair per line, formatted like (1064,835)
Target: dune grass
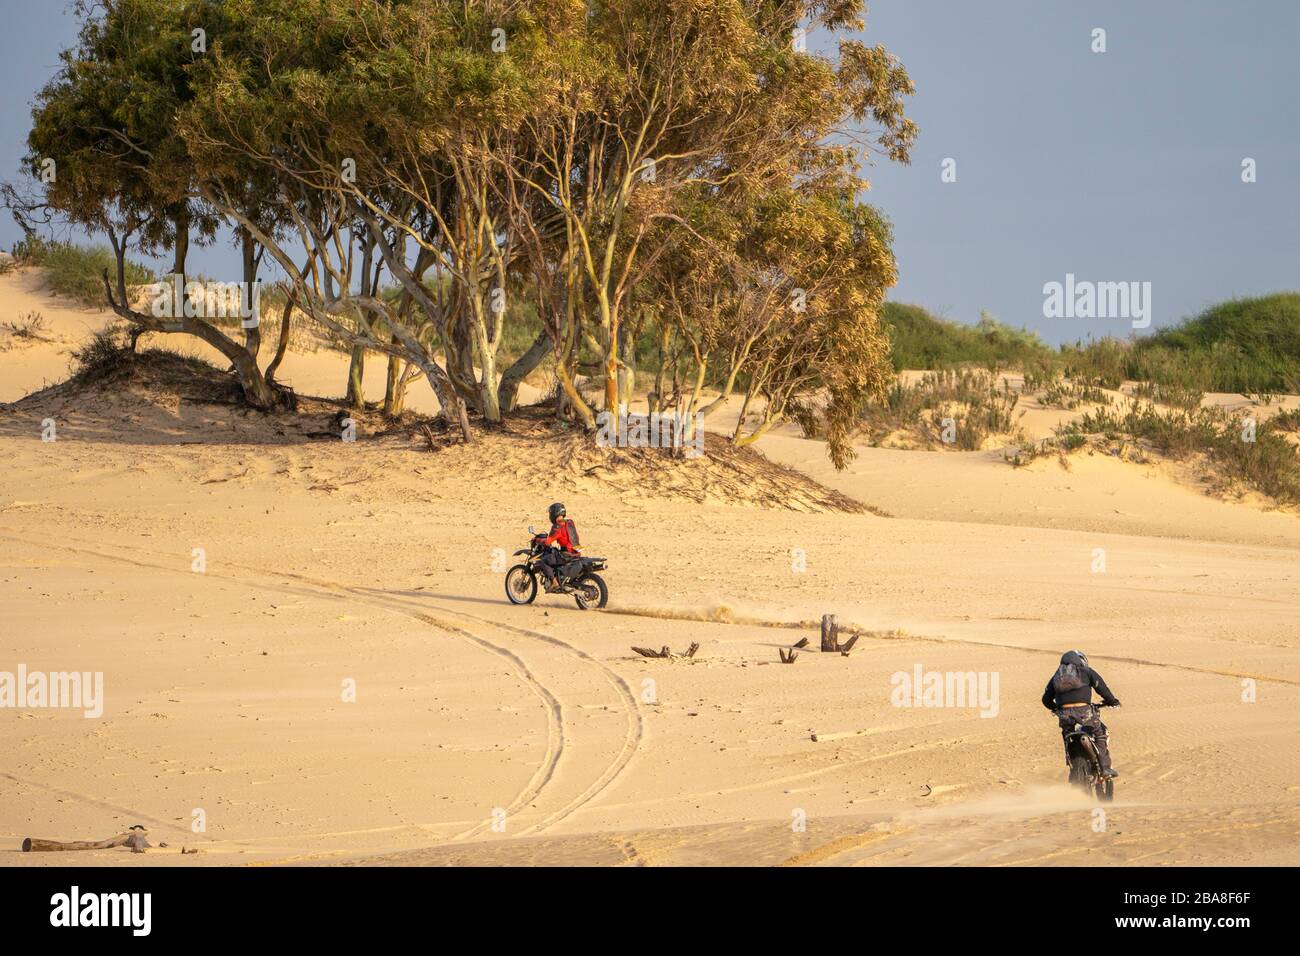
(956,408)
(76,271)
(1247,346)
(1235,447)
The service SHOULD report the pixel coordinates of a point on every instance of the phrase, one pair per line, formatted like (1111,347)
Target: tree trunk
(181,247)
(356,397)
(626,365)
(462,417)
(394,393)
(508,390)
(252,333)
(830,633)
(611,372)
(740,422)
(283,345)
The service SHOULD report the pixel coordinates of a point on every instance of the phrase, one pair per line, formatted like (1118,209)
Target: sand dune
(485,733)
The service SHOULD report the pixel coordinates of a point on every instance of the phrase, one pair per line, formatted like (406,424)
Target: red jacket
(564,533)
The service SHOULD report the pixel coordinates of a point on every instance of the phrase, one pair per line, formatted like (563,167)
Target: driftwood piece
(666,653)
(133,838)
(848,645)
(803,642)
(787,657)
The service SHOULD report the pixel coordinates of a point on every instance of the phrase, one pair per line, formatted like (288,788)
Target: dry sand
(484,733)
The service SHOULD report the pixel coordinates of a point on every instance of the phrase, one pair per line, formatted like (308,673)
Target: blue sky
(1115,166)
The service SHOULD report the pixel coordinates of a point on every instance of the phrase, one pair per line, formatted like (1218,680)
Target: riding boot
(1102,739)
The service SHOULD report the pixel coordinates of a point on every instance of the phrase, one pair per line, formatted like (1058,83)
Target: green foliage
(919,340)
(77,271)
(970,399)
(104,356)
(1257,454)
(1070,395)
(1286,421)
(31,251)
(1247,346)
(553,147)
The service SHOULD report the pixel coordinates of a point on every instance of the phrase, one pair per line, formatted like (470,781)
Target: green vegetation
(103,356)
(948,408)
(29,326)
(669,184)
(919,340)
(1247,346)
(77,271)
(1256,453)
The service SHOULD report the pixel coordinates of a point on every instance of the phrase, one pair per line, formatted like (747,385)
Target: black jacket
(1081,695)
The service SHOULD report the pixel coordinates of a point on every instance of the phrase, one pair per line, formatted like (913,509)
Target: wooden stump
(830,633)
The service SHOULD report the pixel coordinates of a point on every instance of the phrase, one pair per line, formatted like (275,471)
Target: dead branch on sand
(134,838)
(665,653)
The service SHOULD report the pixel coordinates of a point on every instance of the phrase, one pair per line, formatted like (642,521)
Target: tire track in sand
(635,725)
(557,742)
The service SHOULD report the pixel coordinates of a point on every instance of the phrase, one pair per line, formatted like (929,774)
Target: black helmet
(556,511)
(1078,656)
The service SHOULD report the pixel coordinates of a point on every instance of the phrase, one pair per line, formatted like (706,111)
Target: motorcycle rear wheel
(1080,772)
(521,585)
(590,591)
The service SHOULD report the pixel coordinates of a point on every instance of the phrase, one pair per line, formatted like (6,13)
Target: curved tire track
(553,706)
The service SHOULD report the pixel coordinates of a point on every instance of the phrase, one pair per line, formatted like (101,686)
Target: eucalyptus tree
(104,148)
(650,102)
(680,166)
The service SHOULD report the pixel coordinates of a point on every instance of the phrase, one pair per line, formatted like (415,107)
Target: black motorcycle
(1085,763)
(578,577)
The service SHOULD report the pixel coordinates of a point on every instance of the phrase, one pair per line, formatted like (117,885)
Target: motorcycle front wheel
(521,584)
(590,591)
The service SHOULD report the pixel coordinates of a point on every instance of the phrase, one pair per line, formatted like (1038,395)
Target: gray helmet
(556,511)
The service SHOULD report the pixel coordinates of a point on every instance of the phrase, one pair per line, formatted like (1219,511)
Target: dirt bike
(578,577)
(1085,763)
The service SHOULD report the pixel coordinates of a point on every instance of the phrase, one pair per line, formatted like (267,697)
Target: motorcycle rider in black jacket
(1069,695)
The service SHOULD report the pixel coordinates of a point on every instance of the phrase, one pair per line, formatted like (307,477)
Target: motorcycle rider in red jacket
(561,545)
